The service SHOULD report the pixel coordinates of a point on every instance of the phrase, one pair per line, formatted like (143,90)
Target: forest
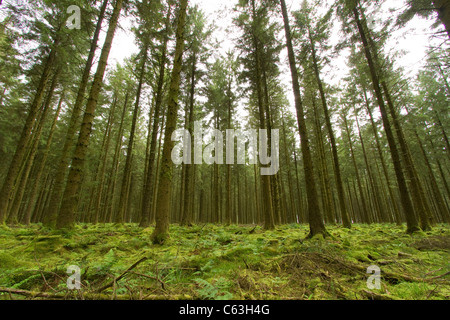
(266,150)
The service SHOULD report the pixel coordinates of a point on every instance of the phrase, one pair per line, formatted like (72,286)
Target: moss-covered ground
(219,262)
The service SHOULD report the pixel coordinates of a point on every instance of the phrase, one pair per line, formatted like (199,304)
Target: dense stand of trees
(79,145)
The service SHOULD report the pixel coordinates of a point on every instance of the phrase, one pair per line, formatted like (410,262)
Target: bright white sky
(413,40)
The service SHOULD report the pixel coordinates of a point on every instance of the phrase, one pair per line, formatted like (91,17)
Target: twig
(150,277)
(439,276)
(106,286)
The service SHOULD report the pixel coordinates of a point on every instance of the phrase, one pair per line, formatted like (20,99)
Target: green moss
(242,261)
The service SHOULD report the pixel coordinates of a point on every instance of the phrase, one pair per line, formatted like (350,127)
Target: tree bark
(161,232)
(147,196)
(127,170)
(63,164)
(187,218)
(411,220)
(66,217)
(20,153)
(316,223)
(337,169)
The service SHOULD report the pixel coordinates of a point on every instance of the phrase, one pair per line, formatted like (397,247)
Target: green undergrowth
(225,262)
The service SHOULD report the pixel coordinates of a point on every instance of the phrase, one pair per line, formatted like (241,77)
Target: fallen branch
(376,296)
(91,296)
(150,277)
(439,276)
(32,294)
(106,286)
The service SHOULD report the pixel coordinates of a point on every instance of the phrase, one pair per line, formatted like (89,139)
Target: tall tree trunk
(265,179)
(111,191)
(375,192)
(383,162)
(411,220)
(228,207)
(161,231)
(418,195)
(365,210)
(33,147)
(187,218)
(26,218)
(337,169)
(20,153)
(100,180)
(70,139)
(66,217)
(127,170)
(436,192)
(316,223)
(322,168)
(147,195)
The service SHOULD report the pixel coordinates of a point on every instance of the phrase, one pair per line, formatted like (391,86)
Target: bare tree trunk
(187,218)
(316,223)
(147,196)
(161,232)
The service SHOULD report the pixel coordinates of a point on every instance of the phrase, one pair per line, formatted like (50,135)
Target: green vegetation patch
(219,262)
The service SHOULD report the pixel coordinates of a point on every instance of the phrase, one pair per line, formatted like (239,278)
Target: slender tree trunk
(111,191)
(33,147)
(66,217)
(337,169)
(444,134)
(412,223)
(375,192)
(293,210)
(322,168)
(265,179)
(158,163)
(147,196)
(102,166)
(70,139)
(316,223)
(187,218)
(228,208)
(299,192)
(8,185)
(382,160)
(436,192)
(26,218)
(418,195)
(161,232)
(127,170)
(365,210)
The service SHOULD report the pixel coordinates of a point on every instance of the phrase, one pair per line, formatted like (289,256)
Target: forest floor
(218,262)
